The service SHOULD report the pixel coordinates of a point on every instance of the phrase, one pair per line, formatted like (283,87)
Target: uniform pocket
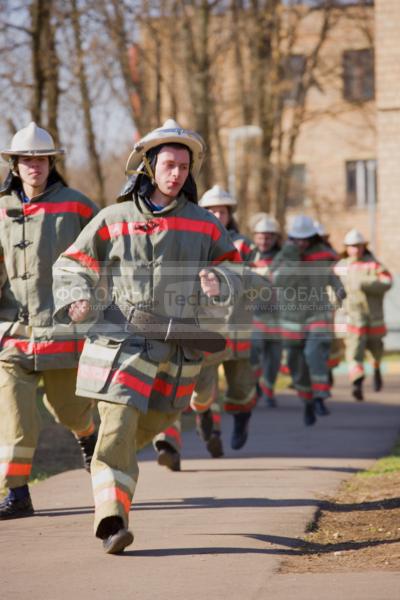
(159,352)
(98,359)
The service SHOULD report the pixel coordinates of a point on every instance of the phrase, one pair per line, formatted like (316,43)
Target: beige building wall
(387,21)
(336,131)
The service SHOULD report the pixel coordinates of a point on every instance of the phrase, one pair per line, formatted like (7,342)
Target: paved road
(218,529)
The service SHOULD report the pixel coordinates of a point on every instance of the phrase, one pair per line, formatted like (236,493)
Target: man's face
(265,241)
(302,244)
(34,170)
(222,213)
(172,170)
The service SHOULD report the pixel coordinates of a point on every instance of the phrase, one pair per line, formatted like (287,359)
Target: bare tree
(94,158)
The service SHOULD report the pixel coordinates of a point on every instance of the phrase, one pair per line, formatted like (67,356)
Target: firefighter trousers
(266,356)
(240,395)
(20,421)
(114,469)
(356,347)
(308,365)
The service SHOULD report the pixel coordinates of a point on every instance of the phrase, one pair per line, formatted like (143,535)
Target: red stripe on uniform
(166,389)
(232,256)
(43,347)
(242,248)
(132,382)
(333,362)
(365,330)
(321,387)
(58,207)
(238,346)
(356,330)
(15,469)
(291,335)
(173,433)
(323,255)
(304,395)
(379,330)
(286,333)
(185,390)
(158,225)
(241,407)
(163,387)
(83,258)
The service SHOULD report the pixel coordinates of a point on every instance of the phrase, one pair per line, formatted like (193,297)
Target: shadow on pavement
(212,503)
(267,469)
(293,547)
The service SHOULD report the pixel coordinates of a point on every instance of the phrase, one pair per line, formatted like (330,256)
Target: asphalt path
(219,528)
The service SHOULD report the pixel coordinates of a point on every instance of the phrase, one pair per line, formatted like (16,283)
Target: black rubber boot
(214,445)
(114,535)
(87,445)
(309,414)
(320,407)
(14,507)
(240,430)
(204,425)
(378,381)
(357,390)
(168,457)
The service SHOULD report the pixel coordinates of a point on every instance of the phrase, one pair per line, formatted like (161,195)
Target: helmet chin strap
(148,170)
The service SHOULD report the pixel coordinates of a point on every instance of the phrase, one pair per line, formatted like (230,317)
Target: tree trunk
(40,15)
(84,89)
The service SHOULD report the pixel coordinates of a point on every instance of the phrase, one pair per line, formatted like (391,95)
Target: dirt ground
(358,530)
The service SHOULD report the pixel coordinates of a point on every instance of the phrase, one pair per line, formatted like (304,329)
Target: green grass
(387,464)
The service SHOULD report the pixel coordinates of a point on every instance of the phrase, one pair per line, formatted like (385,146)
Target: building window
(358,75)
(297,185)
(361,183)
(293,69)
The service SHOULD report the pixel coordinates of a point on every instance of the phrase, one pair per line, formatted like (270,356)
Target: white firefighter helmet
(31,141)
(353,238)
(169,133)
(266,224)
(217,196)
(254,218)
(302,227)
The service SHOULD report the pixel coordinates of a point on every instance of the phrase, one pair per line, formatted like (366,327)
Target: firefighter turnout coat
(149,260)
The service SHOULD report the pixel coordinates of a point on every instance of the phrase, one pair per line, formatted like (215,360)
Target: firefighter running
(39,218)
